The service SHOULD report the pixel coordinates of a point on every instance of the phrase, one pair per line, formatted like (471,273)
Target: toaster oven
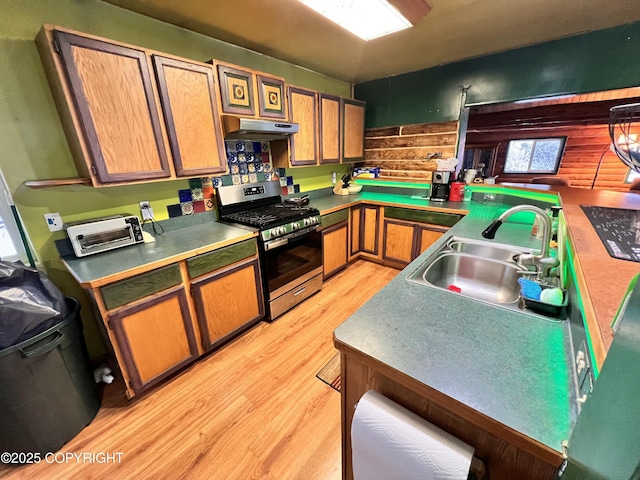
(105,233)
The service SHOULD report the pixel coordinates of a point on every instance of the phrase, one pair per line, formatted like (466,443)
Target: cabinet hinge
(93,170)
(56,45)
(109,325)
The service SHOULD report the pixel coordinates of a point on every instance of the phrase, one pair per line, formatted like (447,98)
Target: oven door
(293,271)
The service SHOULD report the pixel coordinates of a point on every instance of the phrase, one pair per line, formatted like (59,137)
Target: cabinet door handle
(299,291)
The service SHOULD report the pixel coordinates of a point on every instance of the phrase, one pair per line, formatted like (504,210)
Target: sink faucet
(542,262)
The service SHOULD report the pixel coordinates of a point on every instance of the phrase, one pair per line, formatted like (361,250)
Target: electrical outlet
(54,221)
(146,210)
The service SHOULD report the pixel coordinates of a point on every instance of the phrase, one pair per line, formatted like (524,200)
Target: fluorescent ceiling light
(367,19)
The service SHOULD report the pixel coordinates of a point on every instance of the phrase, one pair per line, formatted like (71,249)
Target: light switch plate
(54,221)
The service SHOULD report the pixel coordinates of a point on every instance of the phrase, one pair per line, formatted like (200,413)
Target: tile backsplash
(247,162)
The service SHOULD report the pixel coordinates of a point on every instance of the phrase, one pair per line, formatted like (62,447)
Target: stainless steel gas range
(290,246)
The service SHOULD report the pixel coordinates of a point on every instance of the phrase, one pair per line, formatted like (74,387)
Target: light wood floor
(254,409)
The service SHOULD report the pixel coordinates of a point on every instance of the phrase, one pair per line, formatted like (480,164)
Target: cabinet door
(334,248)
(271,97)
(302,110)
(329,116)
(236,91)
(355,220)
(188,100)
(353,128)
(114,100)
(425,237)
(399,239)
(155,337)
(228,301)
(370,229)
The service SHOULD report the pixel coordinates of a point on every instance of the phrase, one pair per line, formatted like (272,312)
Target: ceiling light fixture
(367,19)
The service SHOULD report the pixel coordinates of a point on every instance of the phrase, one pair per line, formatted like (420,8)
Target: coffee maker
(440,186)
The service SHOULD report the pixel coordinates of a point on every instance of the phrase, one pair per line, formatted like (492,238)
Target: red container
(456,194)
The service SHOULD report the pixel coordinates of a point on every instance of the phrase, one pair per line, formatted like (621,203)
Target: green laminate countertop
(172,246)
(329,203)
(510,366)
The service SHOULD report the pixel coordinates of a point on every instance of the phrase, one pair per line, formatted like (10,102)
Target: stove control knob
(306,222)
(274,232)
(295,226)
(282,230)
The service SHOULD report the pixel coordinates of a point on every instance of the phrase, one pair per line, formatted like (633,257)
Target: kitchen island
(499,380)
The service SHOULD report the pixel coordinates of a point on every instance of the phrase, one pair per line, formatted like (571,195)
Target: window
(539,155)
(11,245)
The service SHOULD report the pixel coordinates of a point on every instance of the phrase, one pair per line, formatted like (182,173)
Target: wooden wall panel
(404,152)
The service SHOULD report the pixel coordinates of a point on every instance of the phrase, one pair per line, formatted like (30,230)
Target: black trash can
(47,390)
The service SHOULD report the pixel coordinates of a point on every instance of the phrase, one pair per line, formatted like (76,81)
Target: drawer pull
(299,291)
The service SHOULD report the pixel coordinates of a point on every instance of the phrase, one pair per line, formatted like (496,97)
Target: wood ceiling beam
(412,10)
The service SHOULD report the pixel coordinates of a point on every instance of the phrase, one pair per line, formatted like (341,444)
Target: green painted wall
(33,145)
(600,60)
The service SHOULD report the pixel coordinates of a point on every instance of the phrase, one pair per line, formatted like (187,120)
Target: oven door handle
(275,243)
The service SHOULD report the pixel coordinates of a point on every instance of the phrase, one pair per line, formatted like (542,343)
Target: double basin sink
(484,271)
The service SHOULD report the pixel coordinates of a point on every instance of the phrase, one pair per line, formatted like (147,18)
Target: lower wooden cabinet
(160,320)
(404,241)
(228,301)
(154,336)
(335,248)
(365,230)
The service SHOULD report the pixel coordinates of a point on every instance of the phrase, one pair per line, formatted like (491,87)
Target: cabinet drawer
(143,285)
(435,218)
(208,262)
(335,217)
(287,300)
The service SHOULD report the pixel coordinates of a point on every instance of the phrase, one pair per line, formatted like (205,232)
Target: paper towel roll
(390,442)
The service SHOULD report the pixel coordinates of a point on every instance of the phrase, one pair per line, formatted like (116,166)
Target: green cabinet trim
(126,291)
(208,262)
(335,217)
(425,216)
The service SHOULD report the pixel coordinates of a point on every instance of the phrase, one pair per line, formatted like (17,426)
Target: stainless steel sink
(484,271)
(496,251)
(485,279)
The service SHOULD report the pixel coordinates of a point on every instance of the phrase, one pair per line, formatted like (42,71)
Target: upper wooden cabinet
(249,93)
(114,125)
(109,104)
(353,130)
(191,115)
(271,98)
(236,91)
(302,110)
(329,128)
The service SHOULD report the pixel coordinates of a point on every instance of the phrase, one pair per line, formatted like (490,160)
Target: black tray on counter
(618,229)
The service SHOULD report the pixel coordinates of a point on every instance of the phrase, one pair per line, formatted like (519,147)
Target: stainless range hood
(256,129)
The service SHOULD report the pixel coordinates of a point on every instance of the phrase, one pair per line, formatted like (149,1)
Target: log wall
(404,152)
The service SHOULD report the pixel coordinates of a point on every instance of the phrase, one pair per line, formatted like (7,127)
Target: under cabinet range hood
(256,129)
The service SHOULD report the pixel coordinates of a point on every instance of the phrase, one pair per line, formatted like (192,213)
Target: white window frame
(8,212)
(535,140)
